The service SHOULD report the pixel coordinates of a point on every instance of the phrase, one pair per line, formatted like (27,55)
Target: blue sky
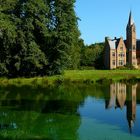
(100,18)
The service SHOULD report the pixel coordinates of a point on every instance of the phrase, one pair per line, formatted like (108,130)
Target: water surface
(71,112)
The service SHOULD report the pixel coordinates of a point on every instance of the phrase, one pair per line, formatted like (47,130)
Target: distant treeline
(92,56)
(39,37)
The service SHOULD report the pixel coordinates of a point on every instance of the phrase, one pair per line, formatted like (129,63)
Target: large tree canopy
(38,37)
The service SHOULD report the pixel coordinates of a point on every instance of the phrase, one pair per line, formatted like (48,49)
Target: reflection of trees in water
(51,113)
(121,95)
(34,125)
(43,113)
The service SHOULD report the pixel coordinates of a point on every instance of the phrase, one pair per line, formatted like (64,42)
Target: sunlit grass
(97,74)
(74,76)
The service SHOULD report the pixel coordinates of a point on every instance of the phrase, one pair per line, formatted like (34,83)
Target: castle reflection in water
(123,95)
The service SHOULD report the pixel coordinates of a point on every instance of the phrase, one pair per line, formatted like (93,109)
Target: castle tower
(131,42)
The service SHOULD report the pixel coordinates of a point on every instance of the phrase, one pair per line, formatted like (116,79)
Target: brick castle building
(119,52)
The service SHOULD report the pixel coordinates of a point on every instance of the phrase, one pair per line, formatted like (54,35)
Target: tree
(92,56)
(21,50)
(38,36)
(65,36)
(7,34)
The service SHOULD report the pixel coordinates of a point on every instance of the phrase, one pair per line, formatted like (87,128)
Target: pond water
(71,112)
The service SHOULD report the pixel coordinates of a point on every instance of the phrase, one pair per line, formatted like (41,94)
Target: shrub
(126,67)
(104,81)
(59,81)
(88,81)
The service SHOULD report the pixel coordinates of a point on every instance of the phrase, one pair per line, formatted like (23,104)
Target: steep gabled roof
(117,42)
(125,42)
(112,44)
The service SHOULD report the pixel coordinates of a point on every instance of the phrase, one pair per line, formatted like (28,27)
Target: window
(121,62)
(113,62)
(113,53)
(134,47)
(121,48)
(122,55)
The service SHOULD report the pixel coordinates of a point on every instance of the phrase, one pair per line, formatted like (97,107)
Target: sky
(100,18)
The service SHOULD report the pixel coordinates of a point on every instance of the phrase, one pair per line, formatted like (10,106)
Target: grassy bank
(83,76)
(95,75)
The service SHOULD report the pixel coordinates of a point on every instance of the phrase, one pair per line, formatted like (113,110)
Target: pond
(71,112)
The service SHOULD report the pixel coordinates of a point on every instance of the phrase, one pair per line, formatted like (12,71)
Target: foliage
(65,36)
(92,55)
(37,36)
(126,67)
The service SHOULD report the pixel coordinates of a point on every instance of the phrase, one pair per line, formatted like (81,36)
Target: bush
(104,81)
(130,80)
(87,68)
(59,81)
(126,67)
(45,81)
(3,70)
(88,81)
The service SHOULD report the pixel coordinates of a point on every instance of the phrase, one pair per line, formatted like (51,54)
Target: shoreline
(78,77)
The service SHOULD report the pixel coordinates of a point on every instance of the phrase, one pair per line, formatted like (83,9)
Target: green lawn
(98,74)
(75,75)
